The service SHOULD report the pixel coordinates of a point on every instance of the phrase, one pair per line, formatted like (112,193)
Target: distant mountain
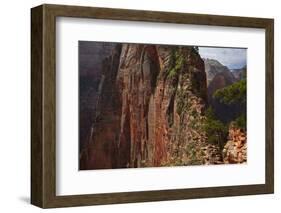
(212,68)
(239,73)
(221,80)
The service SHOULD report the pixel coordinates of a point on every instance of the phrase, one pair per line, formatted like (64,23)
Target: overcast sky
(233,58)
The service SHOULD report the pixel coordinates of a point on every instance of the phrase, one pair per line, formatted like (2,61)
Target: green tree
(235,93)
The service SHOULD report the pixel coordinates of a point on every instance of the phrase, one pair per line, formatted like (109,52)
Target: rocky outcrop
(212,154)
(235,150)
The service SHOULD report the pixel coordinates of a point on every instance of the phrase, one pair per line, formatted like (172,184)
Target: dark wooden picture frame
(43,105)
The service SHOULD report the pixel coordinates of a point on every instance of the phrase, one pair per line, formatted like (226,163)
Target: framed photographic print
(136,106)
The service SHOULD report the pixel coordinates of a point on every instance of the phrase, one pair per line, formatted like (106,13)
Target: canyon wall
(163,93)
(150,110)
(100,150)
(91,57)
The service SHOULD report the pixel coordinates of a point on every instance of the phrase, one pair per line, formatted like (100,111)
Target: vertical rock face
(136,80)
(101,150)
(151,109)
(91,56)
(163,93)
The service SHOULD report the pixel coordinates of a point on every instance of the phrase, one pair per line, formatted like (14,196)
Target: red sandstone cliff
(163,92)
(150,110)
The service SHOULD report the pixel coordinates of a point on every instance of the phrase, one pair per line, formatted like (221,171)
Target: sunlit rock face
(235,150)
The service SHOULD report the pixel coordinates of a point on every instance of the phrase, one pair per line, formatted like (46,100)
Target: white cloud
(231,57)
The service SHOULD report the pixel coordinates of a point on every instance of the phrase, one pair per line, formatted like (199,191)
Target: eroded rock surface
(150,110)
(163,93)
(235,150)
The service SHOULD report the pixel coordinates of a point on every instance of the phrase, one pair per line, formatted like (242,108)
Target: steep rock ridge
(136,81)
(212,68)
(163,93)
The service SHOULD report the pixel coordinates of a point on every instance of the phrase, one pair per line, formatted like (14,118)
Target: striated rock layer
(150,109)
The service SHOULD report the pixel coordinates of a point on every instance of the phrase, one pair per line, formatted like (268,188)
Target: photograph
(140,105)
(158,105)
